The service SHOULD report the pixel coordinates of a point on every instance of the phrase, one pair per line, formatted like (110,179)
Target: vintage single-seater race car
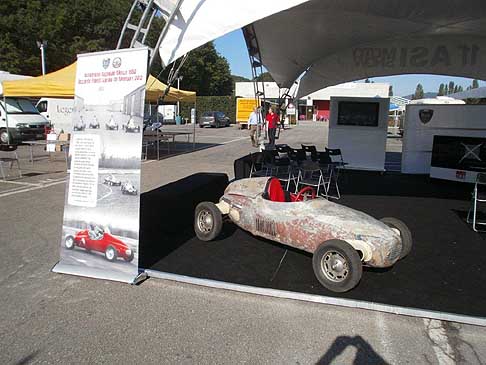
(128,189)
(96,239)
(130,127)
(111,125)
(79,125)
(341,239)
(94,124)
(111,180)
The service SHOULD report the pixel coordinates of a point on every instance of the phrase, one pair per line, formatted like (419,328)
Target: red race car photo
(96,239)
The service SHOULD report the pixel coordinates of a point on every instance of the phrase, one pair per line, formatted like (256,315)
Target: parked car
(341,239)
(111,125)
(96,239)
(214,119)
(128,189)
(111,180)
(94,124)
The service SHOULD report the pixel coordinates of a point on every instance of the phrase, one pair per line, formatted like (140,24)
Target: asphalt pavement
(53,318)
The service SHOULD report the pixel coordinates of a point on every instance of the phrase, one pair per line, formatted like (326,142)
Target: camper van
(58,111)
(24,121)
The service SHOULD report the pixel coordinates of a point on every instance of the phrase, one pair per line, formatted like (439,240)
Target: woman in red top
(272,120)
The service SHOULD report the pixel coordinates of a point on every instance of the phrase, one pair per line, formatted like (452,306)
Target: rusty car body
(341,239)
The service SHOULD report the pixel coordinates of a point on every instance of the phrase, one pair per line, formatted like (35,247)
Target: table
(63,144)
(165,136)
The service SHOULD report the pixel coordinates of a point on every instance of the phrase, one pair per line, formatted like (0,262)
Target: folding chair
(257,168)
(310,151)
(478,196)
(8,158)
(336,157)
(315,175)
(278,166)
(332,172)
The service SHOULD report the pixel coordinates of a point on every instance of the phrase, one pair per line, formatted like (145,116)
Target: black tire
(4,138)
(110,253)
(405,234)
(130,258)
(69,242)
(208,221)
(201,126)
(337,252)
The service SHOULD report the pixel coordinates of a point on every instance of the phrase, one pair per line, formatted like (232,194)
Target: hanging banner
(100,229)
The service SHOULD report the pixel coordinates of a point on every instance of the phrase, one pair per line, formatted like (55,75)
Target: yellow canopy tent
(60,84)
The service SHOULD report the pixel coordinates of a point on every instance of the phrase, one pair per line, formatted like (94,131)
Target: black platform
(445,272)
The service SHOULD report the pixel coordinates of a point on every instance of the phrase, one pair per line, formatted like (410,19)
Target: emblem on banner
(117,62)
(426,115)
(106,63)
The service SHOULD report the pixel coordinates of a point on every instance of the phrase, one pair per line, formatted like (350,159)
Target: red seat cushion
(274,191)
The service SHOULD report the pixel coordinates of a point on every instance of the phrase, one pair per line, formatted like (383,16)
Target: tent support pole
(6,118)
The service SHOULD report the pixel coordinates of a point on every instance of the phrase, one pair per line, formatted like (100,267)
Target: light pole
(43,45)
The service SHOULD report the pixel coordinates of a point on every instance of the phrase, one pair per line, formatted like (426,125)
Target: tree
(460,89)
(390,90)
(441,90)
(446,90)
(475,84)
(206,72)
(456,88)
(419,92)
(237,78)
(70,27)
(451,87)
(265,77)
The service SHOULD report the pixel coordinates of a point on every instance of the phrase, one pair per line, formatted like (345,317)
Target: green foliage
(206,72)
(451,87)
(441,90)
(419,92)
(225,104)
(70,27)
(390,90)
(237,78)
(265,77)
(475,84)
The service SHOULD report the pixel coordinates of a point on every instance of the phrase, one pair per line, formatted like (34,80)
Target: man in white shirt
(253,122)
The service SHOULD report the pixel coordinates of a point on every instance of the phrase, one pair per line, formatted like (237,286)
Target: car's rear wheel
(404,231)
(110,253)
(208,221)
(337,266)
(69,242)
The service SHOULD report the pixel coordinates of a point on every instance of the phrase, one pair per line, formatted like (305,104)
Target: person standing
(272,121)
(253,122)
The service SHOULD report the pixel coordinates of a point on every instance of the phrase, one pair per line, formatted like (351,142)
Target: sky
(232,47)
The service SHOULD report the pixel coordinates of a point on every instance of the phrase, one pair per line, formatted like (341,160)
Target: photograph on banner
(101,214)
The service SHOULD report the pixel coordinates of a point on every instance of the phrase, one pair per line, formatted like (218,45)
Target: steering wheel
(304,190)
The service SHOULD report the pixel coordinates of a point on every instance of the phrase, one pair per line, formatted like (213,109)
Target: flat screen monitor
(355,113)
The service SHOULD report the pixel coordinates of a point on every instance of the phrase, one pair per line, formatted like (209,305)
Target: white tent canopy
(343,40)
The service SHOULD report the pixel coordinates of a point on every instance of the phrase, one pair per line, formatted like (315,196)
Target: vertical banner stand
(100,232)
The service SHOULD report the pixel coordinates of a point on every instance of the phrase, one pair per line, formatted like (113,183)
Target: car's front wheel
(4,136)
(337,266)
(110,253)
(405,234)
(69,242)
(208,221)
(130,258)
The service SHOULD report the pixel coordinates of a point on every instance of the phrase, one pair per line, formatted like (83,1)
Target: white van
(24,121)
(59,112)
